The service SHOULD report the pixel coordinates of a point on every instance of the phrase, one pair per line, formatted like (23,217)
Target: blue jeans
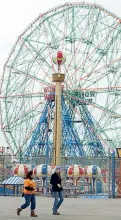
(29,198)
(56,205)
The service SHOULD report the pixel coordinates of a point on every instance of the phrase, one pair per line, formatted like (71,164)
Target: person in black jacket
(56,190)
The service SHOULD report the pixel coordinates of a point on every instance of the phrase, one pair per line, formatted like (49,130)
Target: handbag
(22,195)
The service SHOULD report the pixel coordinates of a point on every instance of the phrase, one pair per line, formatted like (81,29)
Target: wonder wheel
(90,36)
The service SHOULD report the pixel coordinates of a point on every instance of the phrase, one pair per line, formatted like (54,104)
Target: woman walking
(56,190)
(29,194)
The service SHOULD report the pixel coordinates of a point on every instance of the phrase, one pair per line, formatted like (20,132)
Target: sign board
(49,92)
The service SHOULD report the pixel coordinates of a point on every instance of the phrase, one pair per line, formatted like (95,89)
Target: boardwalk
(72,209)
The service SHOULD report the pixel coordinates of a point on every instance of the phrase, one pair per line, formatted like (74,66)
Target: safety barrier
(108,184)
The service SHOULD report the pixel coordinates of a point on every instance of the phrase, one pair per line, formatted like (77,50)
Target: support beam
(58,79)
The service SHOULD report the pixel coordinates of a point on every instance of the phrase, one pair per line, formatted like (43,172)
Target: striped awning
(14,180)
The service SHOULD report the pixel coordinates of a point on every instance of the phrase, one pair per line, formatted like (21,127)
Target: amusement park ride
(74,111)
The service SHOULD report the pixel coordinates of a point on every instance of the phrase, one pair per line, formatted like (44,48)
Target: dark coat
(55,180)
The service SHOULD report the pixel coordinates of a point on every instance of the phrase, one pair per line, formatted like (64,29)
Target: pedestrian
(29,194)
(55,181)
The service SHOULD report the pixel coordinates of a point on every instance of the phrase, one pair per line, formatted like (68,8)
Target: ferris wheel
(90,37)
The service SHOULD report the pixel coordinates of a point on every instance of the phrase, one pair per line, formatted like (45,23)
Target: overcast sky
(16,15)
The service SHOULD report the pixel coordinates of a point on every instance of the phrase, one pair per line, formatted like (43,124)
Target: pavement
(72,209)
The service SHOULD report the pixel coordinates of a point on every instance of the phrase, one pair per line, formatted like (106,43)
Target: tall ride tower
(58,78)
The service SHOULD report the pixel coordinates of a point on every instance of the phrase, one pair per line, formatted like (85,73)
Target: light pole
(47,144)
(47,157)
(58,78)
(20,155)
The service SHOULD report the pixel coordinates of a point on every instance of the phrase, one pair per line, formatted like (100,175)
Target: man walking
(56,190)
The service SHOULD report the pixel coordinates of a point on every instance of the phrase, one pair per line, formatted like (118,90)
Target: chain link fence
(109,183)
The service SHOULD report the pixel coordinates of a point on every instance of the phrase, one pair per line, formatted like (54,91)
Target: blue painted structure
(11,186)
(42,139)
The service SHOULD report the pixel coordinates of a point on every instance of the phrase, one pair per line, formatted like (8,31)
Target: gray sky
(16,15)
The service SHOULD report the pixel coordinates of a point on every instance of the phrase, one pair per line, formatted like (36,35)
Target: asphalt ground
(72,209)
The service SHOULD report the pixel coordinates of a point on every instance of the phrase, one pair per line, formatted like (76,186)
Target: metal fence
(109,183)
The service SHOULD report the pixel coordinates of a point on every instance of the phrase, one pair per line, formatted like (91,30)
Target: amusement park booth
(12,186)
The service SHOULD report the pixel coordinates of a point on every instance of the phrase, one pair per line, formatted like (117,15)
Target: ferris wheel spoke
(79,44)
(97,46)
(27,95)
(65,27)
(92,31)
(23,115)
(38,55)
(72,39)
(20,72)
(30,114)
(54,42)
(97,71)
(107,65)
(100,78)
(6,138)
(109,89)
(115,102)
(94,105)
(22,133)
(47,41)
(56,34)
(20,124)
(28,135)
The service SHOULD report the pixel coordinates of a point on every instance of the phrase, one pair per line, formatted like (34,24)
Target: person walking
(29,194)
(55,181)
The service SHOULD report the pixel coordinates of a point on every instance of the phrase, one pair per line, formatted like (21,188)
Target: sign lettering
(49,92)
